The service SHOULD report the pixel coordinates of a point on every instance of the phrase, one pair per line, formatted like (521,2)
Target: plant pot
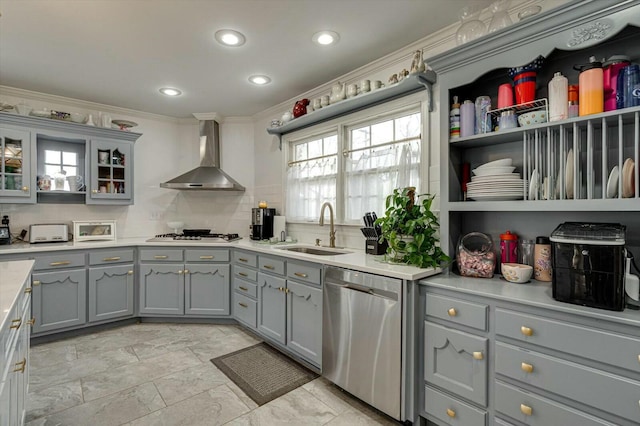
(398,248)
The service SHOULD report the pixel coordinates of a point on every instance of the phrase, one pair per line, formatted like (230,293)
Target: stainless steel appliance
(49,233)
(194,235)
(5,232)
(362,337)
(262,223)
(589,262)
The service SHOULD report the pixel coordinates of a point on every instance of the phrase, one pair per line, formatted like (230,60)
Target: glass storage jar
(475,256)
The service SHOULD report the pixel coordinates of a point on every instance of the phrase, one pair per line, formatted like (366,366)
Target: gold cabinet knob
(186,271)
(25,189)
(28,290)
(451,413)
(129,272)
(526,331)
(527,368)
(31,322)
(180,272)
(526,410)
(94,191)
(452,312)
(478,355)
(36,282)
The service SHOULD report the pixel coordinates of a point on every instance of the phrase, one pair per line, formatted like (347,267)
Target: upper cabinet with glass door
(55,161)
(15,167)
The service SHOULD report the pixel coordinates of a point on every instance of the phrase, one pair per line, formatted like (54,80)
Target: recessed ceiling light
(325,38)
(230,38)
(260,80)
(170,91)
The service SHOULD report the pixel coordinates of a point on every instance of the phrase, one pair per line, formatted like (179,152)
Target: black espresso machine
(589,264)
(262,223)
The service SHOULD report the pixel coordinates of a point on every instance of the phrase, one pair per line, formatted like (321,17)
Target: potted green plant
(410,229)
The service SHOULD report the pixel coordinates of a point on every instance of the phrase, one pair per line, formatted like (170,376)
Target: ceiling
(120,52)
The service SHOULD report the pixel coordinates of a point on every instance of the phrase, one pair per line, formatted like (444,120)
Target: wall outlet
(156,215)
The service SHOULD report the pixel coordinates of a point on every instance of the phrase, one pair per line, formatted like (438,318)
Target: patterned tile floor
(161,374)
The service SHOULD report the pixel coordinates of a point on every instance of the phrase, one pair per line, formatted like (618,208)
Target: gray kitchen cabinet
(109,175)
(111,172)
(16,185)
(59,299)
(304,316)
(198,287)
(245,288)
(111,292)
(451,411)
(272,307)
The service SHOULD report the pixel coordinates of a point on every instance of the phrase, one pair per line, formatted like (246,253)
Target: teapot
(300,108)
(338,92)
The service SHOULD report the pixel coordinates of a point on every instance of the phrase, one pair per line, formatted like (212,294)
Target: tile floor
(161,374)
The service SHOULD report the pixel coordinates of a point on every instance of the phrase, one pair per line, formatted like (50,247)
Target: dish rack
(537,105)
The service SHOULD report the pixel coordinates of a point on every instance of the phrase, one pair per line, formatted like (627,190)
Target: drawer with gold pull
(67,259)
(245,258)
(536,410)
(245,274)
(272,265)
(450,411)
(245,310)
(457,311)
(304,272)
(161,255)
(107,257)
(570,338)
(245,288)
(207,255)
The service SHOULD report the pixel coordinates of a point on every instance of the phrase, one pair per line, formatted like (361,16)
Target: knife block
(375,246)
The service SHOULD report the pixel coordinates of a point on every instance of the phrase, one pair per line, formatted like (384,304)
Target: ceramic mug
(103,189)
(365,86)
(352,90)
(376,84)
(103,157)
(324,101)
(106,121)
(317,103)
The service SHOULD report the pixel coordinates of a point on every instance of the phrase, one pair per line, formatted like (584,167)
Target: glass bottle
(472,27)
(508,247)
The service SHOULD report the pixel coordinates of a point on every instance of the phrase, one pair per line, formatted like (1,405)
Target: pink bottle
(612,67)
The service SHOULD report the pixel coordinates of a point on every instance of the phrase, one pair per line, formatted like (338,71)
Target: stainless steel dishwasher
(362,336)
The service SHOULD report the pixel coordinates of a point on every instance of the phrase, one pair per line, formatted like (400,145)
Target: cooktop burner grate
(201,237)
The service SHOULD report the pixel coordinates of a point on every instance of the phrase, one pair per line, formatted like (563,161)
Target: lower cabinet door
(456,361)
(206,289)
(59,299)
(304,321)
(110,292)
(532,409)
(272,307)
(162,289)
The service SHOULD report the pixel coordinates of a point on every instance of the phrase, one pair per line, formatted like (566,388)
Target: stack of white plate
(495,181)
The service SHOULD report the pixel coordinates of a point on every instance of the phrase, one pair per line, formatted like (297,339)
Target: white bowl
(516,272)
(497,163)
(531,118)
(77,117)
(486,171)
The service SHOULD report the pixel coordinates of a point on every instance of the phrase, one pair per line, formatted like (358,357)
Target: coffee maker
(262,223)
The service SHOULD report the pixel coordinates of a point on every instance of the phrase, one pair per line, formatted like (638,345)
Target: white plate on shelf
(568,175)
(497,163)
(628,178)
(500,177)
(612,183)
(502,197)
(490,171)
(533,185)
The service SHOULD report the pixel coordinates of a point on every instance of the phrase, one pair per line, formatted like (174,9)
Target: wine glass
(500,17)
(472,27)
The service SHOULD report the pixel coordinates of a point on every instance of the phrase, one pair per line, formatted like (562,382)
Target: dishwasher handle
(366,290)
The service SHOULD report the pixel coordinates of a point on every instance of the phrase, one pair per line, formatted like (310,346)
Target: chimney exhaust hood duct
(208,176)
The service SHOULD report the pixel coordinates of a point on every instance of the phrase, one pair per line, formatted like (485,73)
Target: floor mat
(262,372)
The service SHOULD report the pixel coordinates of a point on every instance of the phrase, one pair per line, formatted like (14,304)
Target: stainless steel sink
(318,251)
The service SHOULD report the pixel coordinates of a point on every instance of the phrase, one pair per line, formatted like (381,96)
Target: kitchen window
(354,165)
(55,157)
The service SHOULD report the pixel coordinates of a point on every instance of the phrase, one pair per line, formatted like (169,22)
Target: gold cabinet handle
(37,282)
(160,256)
(28,290)
(16,323)
(268,267)
(451,413)
(20,366)
(25,189)
(242,259)
(94,191)
(300,274)
(244,305)
(243,274)
(186,271)
(129,272)
(478,355)
(638,358)
(61,263)
(111,259)
(526,331)
(452,312)
(243,288)
(208,257)
(527,368)
(280,289)
(31,322)
(180,272)
(526,410)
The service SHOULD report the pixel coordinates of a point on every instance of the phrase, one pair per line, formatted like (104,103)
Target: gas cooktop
(195,237)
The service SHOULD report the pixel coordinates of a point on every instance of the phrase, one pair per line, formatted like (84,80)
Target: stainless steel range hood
(208,176)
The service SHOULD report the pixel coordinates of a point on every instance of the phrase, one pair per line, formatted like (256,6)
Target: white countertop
(13,275)
(356,259)
(535,293)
